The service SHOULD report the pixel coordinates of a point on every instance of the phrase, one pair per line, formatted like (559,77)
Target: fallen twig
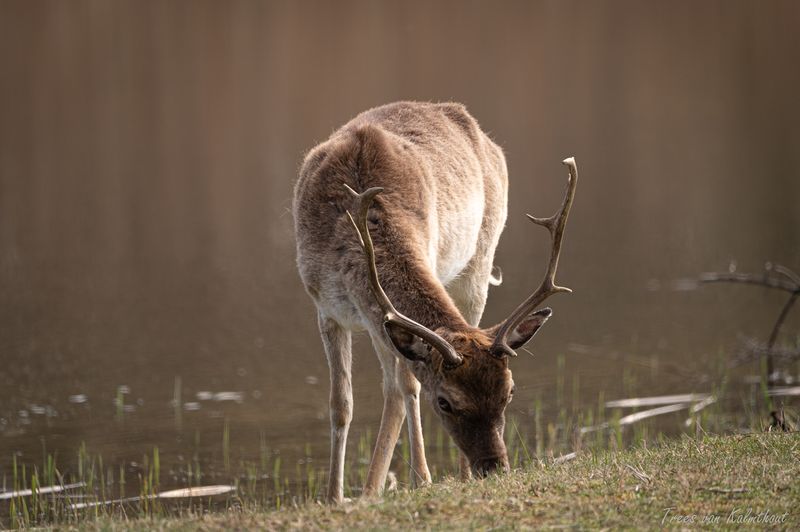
(641,475)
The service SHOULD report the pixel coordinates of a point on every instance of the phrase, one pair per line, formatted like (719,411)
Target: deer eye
(444,405)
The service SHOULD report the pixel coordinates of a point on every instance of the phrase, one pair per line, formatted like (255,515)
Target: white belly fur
(454,238)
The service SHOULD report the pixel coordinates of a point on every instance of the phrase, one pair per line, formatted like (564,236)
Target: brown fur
(436,167)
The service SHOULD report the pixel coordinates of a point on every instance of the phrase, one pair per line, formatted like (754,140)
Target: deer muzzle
(483,467)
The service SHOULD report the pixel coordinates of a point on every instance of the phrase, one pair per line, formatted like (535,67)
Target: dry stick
(748,278)
(792,286)
(781,318)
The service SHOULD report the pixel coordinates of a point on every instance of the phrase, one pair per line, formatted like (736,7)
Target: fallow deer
(427,190)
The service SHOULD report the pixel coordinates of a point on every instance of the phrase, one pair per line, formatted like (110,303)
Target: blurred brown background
(148,152)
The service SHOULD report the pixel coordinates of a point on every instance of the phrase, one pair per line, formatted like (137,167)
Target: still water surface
(147,157)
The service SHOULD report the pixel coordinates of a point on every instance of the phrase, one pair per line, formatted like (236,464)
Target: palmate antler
(390,314)
(555,224)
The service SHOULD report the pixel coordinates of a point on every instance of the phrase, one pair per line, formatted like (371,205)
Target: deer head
(465,372)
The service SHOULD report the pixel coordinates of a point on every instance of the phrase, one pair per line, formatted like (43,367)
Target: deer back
(444,199)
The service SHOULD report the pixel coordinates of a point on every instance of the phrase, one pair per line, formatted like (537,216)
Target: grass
(743,481)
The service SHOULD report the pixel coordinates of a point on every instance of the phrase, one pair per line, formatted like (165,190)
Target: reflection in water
(147,157)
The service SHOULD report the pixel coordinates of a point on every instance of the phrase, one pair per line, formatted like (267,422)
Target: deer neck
(411,285)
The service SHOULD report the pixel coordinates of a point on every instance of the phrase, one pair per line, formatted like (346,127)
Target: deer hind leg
(391,420)
(337,342)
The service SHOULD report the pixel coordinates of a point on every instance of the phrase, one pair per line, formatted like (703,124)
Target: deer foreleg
(419,465)
(391,422)
(465,471)
(337,342)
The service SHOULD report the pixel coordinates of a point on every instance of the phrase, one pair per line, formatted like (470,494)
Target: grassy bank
(746,481)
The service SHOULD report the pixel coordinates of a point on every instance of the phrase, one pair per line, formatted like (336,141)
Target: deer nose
(485,466)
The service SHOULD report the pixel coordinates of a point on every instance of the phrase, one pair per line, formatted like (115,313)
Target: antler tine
(390,313)
(555,225)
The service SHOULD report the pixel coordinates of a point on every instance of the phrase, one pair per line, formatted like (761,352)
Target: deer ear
(528,327)
(407,344)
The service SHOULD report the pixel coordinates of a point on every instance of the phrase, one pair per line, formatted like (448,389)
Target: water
(147,157)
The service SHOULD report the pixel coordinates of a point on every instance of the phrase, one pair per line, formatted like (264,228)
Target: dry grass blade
(40,491)
(715,489)
(710,400)
(657,400)
(638,416)
(200,491)
(565,458)
(638,473)
(182,493)
(784,391)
